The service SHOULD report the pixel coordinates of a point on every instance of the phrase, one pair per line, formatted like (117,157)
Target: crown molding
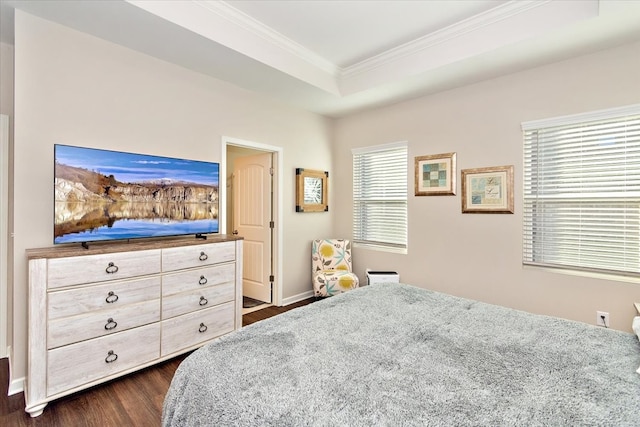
(454,35)
(506,24)
(500,27)
(479,21)
(247,23)
(234,30)
(475,23)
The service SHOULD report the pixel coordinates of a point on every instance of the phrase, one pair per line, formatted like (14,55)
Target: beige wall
(75,89)
(479,256)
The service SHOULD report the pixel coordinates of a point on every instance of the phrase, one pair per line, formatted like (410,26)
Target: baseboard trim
(16,385)
(296,298)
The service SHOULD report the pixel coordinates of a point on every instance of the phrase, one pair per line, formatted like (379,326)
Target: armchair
(331,267)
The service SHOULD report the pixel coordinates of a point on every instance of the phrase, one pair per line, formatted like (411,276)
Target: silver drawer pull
(203,301)
(202,281)
(203,256)
(111,297)
(111,324)
(111,357)
(202,328)
(111,268)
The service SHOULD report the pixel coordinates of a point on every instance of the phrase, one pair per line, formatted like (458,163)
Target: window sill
(381,248)
(589,274)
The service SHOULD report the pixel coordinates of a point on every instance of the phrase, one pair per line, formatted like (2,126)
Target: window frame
(536,197)
(403,200)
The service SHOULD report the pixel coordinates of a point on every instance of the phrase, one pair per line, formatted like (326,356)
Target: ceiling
(337,57)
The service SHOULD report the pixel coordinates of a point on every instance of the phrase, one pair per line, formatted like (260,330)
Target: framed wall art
(435,175)
(312,190)
(487,190)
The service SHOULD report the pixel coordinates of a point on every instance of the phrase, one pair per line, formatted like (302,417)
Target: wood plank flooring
(134,400)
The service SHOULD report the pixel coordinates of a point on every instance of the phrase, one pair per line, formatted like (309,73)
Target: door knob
(235,232)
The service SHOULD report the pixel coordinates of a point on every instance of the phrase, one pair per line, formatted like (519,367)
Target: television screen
(112,195)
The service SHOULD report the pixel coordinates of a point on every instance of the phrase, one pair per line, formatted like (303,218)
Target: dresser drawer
(198,278)
(199,299)
(77,364)
(67,330)
(100,313)
(98,268)
(76,301)
(191,329)
(197,256)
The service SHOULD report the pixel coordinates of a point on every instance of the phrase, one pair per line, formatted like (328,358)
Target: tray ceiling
(339,57)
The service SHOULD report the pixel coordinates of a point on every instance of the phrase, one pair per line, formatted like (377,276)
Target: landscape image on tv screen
(112,195)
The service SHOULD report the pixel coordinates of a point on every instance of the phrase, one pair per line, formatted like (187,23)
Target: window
(582,192)
(380,196)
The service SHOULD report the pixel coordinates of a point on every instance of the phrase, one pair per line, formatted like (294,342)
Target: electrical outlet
(602,318)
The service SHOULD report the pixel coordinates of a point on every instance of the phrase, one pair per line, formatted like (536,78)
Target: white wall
(75,89)
(6,79)
(479,256)
(6,194)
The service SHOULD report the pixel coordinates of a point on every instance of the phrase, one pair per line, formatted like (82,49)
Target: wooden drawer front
(194,328)
(198,278)
(74,365)
(67,330)
(199,299)
(98,268)
(197,256)
(87,299)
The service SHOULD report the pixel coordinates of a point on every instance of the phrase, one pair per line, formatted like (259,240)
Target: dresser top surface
(98,248)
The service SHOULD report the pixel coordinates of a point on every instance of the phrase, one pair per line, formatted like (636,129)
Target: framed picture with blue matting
(487,190)
(436,175)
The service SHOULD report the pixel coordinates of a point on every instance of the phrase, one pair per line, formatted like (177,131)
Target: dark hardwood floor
(134,400)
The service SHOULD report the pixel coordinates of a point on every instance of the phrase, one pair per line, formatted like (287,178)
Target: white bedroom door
(252,219)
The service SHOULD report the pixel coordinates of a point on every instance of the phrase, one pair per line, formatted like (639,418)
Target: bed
(395,354)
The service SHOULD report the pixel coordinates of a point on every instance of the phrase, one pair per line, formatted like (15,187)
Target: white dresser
(99,313)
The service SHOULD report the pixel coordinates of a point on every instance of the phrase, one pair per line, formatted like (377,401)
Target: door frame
(276,203)
(4,234)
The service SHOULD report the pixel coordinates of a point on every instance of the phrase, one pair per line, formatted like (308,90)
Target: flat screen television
(112,195)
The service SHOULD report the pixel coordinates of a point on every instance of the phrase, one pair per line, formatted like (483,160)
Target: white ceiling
(337,57)
(347,32)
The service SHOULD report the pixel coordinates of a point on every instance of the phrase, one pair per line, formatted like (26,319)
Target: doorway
(252,210)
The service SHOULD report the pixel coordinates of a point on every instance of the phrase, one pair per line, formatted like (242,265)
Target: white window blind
(380,196)
(582,192)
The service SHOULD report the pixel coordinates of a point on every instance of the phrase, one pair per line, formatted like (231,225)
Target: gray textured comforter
(389,355)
